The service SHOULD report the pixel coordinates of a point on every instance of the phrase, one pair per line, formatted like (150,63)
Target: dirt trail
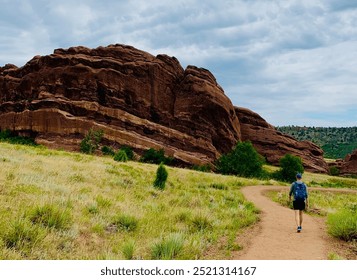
(275,237)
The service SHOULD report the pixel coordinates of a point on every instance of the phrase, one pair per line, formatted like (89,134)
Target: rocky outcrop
(137,99)
(349,166)
(273,144)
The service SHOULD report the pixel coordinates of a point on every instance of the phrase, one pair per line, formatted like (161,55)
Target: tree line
(336,142)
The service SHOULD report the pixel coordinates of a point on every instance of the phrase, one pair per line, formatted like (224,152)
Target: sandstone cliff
(139,100)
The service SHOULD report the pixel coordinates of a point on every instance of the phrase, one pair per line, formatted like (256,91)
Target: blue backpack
(300,192)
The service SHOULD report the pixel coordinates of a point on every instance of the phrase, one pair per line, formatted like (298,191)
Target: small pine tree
(161,177)
(121,156)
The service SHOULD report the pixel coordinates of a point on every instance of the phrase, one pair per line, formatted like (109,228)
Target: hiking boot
(299,229)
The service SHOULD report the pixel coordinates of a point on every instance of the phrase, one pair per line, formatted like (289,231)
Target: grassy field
(60,205)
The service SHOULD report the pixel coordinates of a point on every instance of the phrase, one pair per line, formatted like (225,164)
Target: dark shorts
(299,205)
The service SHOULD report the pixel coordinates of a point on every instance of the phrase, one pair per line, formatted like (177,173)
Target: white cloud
(292,55)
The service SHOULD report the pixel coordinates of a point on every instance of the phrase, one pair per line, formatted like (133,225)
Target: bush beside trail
(243,161)
(290,165)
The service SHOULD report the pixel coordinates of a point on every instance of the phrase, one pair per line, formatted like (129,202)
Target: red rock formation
(273,144)
(137,99)
(349,166)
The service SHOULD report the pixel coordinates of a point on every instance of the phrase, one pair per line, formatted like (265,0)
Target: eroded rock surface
(349,166)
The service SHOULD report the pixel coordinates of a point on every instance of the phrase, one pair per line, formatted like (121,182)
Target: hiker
(299,190)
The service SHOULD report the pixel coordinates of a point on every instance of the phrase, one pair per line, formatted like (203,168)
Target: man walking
(299,190)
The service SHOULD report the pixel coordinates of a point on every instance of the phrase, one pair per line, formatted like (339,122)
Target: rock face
(137,99)
(349,166)
(273,144)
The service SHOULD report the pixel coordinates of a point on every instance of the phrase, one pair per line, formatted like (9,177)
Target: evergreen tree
(161,177)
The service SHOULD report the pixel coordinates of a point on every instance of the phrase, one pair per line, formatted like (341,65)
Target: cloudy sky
(292,61)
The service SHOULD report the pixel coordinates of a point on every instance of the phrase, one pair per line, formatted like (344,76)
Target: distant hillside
(336,142)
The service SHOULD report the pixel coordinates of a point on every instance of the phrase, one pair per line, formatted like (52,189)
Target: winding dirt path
(275,236)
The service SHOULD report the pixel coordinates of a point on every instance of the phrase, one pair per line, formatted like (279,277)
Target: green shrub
(289,166)
(107,151)
(126,223)
(156,157)
(343,225)
(12,138)
(334,171)
(91,141)
(121,156)
(51,216)
(244,161)
(5,134)
(129,152)
(161,177)
(168,248)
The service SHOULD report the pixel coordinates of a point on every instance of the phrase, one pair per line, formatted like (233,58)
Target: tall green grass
(22,235)
(51,216)
(343,225)
(128,249)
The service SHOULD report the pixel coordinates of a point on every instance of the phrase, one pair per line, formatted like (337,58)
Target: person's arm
(307,202)
(307,198)
(291,192)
